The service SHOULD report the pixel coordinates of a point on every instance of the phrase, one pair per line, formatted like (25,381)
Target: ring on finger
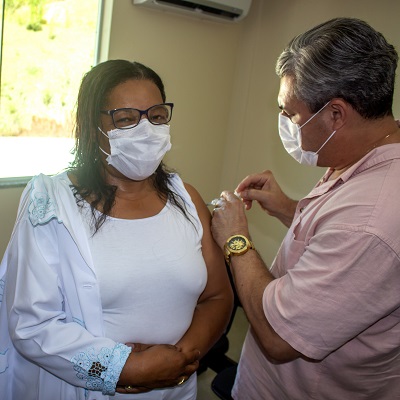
(181,381)
(128,387)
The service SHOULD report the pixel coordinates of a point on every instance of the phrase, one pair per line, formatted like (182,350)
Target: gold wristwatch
(237,245)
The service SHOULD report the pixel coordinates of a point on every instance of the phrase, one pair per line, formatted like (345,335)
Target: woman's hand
(156,366)
(136,348)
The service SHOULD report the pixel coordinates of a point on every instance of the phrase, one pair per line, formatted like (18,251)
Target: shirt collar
(374,157)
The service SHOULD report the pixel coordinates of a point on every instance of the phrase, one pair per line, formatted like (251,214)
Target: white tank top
(151,273)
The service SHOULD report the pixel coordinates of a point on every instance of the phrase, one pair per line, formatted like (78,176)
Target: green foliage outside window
(47,47)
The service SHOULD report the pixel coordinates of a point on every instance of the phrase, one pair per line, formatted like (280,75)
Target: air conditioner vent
(195,7)
(225,10)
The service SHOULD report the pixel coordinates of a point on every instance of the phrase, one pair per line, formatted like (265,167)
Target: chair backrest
(223,382)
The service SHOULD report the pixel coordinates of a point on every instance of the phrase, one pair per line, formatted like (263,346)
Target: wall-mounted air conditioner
(228,10)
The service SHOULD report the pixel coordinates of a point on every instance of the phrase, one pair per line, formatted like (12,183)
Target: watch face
(237,243)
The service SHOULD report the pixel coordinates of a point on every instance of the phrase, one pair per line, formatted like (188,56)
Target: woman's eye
(158,118)
(123,118)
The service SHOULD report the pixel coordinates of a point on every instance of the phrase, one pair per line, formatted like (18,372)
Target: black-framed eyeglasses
(125,118)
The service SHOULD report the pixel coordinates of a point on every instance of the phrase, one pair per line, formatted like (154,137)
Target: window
(46,47)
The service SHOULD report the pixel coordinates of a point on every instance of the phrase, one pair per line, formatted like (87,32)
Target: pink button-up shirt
(336,298)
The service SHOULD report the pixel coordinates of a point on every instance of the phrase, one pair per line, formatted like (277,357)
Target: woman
(114,285)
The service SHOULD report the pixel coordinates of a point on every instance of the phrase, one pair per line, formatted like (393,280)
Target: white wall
(222,80)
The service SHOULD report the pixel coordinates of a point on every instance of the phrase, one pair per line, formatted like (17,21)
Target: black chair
(223,382)
(217,360)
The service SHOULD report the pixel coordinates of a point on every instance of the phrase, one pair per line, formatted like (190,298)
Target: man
(325,318)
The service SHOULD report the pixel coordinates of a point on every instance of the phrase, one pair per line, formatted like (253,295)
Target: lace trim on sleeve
(101,370)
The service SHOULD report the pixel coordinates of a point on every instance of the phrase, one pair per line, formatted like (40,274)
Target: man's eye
(290,116)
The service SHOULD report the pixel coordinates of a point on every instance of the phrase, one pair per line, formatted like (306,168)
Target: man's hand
(229,218)
(264,189)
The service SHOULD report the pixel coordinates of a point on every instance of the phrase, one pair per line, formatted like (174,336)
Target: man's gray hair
(342,58)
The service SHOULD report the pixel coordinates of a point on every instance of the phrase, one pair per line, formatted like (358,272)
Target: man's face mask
(290,134)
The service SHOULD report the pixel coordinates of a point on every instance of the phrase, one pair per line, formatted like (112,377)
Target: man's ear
(339,112)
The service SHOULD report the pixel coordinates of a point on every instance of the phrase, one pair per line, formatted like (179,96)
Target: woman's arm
(215,304)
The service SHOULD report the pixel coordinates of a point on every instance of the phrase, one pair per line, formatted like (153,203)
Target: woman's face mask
(137,152)
(290,134)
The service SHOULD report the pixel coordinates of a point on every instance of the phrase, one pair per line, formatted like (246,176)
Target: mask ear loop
(107,138)
(326,141)
(104,152)
(312,116)
(103,132)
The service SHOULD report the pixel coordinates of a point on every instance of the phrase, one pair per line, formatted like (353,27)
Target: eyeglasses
(125,118)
